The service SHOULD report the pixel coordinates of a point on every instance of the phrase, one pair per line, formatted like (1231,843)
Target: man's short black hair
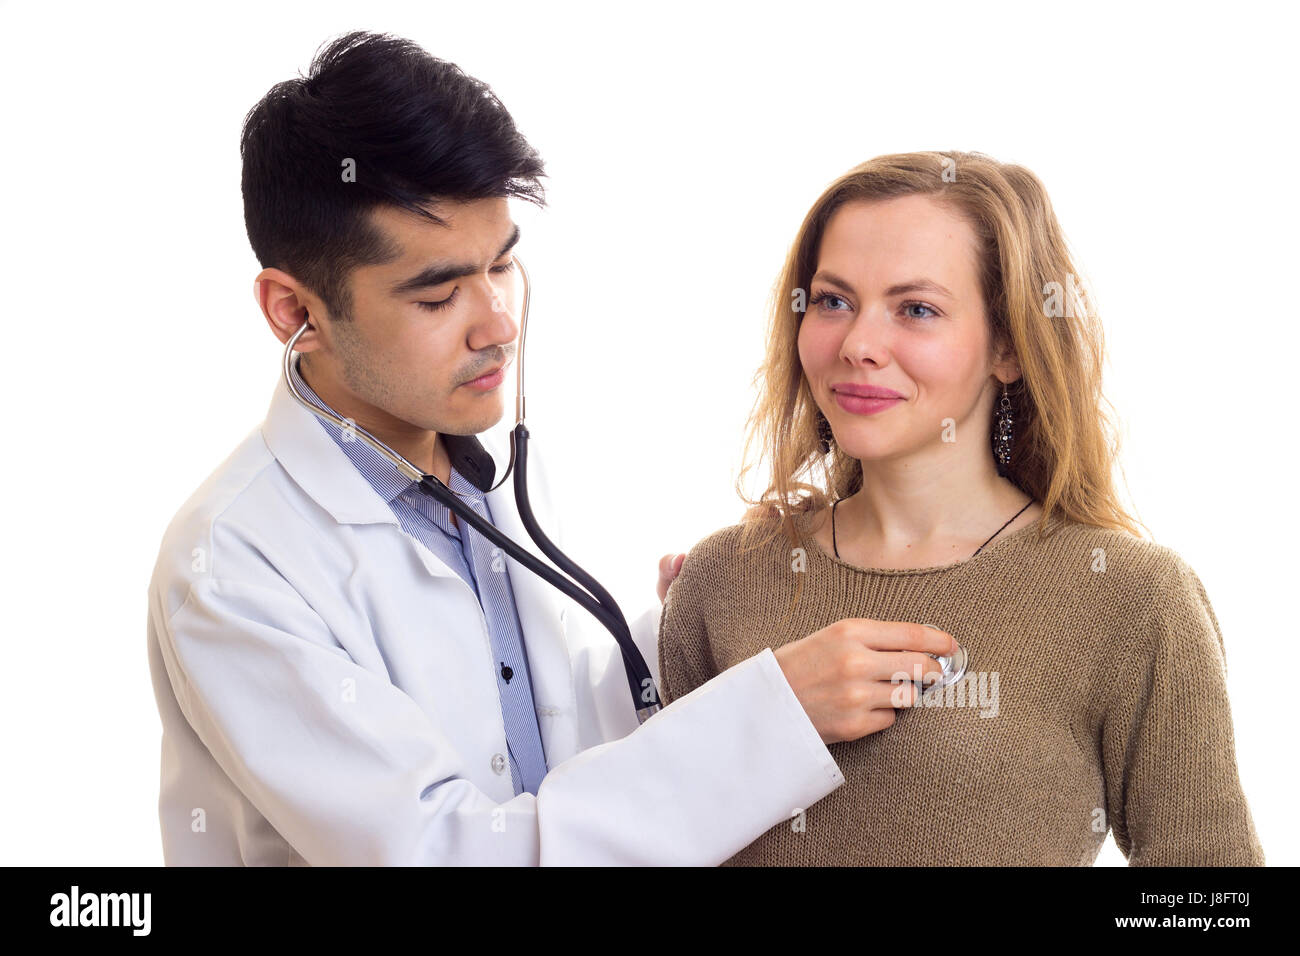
(417,128)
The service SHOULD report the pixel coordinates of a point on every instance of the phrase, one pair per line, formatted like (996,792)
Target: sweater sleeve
(1173,797)
(685,657)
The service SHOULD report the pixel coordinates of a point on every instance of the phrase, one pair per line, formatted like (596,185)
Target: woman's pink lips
(488,382)
(864,406)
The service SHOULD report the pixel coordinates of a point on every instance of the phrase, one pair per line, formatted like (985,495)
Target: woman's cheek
(817,345)
(933,361)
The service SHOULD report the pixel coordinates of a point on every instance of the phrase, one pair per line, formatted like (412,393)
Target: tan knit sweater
(1094,699)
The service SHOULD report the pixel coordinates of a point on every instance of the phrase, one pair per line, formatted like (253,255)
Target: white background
(684,143)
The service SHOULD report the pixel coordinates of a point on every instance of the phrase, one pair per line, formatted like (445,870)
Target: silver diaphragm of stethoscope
(954,665)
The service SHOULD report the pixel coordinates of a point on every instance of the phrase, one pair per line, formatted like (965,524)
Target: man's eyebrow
(440,272)
(902,288)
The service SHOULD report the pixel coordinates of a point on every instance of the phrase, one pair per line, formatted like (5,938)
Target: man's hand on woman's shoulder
(670,565)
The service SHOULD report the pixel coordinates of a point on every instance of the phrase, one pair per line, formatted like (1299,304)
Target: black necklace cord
(836,546)
(999,531)
(639,679)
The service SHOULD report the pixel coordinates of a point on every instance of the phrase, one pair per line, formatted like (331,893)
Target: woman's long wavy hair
(1065,444)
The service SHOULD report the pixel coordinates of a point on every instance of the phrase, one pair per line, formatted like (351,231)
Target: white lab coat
(328,694)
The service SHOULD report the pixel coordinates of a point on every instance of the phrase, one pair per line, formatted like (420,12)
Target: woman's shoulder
(1143,578)
(725,557)
(1121,550)
(733,543)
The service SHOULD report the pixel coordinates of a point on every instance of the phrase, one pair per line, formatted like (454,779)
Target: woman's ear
(1006,366)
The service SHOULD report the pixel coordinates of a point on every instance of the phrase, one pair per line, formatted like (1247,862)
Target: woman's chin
(865,451)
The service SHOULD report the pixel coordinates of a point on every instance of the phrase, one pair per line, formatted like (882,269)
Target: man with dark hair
(346,673)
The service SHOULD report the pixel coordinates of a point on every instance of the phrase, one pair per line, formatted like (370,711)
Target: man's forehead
(419,239)
(413,233)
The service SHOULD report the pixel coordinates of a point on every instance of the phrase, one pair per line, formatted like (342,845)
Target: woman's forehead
(898,242)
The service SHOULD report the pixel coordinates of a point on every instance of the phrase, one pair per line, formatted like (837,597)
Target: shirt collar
(382,474)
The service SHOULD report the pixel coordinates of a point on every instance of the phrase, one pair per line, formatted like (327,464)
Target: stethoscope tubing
(601,606)
(586,592)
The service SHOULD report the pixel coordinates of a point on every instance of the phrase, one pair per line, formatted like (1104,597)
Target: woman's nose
(864,341)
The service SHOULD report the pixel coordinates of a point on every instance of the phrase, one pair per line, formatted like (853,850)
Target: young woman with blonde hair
(932,418)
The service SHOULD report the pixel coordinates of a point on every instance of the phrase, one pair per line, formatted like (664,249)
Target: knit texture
(1095,699)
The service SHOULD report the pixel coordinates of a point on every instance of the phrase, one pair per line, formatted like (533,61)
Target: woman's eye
(918,305)
(829,299)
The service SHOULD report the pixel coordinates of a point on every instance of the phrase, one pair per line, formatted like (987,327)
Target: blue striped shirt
(480,565)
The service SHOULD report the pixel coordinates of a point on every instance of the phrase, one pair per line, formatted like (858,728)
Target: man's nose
(498,324)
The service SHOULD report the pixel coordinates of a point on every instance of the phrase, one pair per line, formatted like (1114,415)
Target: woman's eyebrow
(917,285)
(901,288)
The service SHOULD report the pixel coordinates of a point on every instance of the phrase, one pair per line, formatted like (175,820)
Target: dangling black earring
(824,434)
(1003,433)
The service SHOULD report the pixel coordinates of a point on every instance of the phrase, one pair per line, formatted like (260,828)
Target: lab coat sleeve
(350,771)
(1172,790)
(698,782)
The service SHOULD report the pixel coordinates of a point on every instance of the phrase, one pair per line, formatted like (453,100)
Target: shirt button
(498,763)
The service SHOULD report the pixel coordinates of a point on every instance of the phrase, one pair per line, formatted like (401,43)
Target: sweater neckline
(990,548)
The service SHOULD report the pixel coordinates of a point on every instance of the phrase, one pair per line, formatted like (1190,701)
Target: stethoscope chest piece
(954,665)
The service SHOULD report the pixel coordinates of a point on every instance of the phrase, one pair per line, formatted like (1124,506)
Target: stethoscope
(953,666)
(472,460)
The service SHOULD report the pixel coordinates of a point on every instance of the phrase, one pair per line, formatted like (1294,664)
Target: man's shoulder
(228,509)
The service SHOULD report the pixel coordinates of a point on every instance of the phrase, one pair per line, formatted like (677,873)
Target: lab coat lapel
(314,460)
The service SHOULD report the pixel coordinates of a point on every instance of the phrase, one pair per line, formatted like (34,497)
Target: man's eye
(444,303)
(440,304)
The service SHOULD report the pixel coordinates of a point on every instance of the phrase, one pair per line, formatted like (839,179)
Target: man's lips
(488,379)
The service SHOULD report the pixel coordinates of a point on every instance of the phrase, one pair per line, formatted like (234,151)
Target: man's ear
(284,302)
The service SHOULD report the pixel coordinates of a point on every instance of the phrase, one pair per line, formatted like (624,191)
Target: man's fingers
(670,565)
